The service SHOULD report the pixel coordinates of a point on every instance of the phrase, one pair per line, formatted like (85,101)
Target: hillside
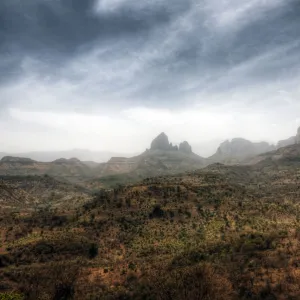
(66,169)
(223,232)
(285,155)
(35,192)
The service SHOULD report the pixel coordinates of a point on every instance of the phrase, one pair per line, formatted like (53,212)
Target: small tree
(93,250)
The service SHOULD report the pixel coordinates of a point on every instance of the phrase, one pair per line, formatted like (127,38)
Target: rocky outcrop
(238,149)
(185,148)
(173,148)
(161,142)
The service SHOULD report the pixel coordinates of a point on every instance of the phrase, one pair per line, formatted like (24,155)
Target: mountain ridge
(161,158)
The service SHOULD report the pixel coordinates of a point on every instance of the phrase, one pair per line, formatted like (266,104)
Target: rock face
(241,147)
(161,142)
(298,136)
(185,147)
(238,149)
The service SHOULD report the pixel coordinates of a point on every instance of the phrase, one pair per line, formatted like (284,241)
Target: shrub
(201,282)
(11,296)
(93,251)
(157,212)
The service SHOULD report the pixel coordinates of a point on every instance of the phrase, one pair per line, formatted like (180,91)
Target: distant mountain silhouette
(81,154)
(161,158)
(237,150)
(290,141)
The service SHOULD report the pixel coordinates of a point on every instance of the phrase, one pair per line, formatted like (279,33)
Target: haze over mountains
(161,158)
(81,154)
(236,147)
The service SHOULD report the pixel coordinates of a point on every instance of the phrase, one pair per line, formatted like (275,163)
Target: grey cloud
(153,53)
(54,31)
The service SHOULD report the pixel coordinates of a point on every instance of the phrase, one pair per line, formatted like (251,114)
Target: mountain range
(160,159)
(223,231)
(81,154)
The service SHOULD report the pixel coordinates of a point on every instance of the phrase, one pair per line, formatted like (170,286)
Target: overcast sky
(113,74)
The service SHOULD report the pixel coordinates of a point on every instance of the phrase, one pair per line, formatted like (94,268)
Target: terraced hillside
(224,232)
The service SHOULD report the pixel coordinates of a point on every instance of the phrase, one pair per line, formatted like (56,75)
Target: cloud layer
(108,74)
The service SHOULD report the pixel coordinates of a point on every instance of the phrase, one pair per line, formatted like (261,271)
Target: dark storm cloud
(204,52)
(54,31)
(144,52)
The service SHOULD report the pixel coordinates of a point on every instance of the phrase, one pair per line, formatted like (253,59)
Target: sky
(113,74)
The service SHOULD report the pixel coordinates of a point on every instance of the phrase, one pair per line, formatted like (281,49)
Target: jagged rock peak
(161,142)
(174,148)
(185,147)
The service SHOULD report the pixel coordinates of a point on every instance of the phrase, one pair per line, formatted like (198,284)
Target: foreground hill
(223,232)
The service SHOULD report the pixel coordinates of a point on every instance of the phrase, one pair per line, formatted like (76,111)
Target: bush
(93,251)
(11,296)
(200,282)
(157,212)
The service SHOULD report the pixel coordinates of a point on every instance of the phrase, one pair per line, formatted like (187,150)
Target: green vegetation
(219,233)
(11,296)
